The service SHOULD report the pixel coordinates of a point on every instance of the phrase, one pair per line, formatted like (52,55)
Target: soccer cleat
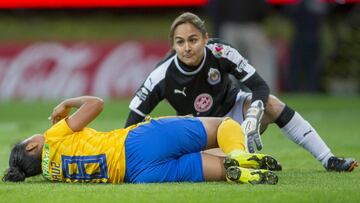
(253,176)
(341,164)
(248,160)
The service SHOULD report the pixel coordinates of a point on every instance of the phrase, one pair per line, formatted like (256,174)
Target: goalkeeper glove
(251,126)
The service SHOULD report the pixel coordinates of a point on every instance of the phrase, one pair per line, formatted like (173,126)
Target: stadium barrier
(53,70)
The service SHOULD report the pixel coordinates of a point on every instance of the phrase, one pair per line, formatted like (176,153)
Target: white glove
(251,126)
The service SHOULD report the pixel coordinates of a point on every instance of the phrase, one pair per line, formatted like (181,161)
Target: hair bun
(14,174)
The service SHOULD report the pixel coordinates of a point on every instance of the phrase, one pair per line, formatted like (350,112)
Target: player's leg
(224,133)
(227,134)
(196,167)
(297,129)
(236,114)
(213,167)
(185,168)
(162,140)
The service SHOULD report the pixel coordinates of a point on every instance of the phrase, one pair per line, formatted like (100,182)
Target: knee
(273,109)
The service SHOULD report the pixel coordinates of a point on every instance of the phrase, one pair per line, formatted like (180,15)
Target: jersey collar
(190,72)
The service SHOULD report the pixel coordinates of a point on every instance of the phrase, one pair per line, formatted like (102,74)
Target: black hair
(22,164)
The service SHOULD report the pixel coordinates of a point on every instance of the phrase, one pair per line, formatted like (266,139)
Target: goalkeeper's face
(189,44)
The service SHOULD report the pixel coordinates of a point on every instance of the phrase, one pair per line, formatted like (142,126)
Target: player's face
(189,44)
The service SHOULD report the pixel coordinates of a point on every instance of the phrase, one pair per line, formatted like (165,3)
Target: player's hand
(61,111)
(251,126)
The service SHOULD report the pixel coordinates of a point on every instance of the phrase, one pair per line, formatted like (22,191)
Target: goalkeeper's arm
(251,125)
(260,90)
(133,118)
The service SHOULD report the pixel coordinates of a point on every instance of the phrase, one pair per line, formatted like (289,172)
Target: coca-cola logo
(56,70)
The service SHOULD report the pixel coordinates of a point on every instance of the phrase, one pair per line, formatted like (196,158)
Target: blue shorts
(165,150)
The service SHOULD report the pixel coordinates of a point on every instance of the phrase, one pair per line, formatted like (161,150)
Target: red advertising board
(280,2)
(96,3)
(52,70)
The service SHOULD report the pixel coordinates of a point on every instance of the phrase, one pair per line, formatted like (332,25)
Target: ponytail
(22,164)
(14,174)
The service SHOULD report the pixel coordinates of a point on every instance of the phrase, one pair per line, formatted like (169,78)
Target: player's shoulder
(159,73)
(213,41)
(221,49)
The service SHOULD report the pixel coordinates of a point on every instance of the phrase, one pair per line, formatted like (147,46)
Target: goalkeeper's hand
(251,126)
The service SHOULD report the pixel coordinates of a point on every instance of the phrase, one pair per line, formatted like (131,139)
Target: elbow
(96,103)
(99,103)
(267,89)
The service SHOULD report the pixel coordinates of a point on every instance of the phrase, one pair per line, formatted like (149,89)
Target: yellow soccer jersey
(84,156)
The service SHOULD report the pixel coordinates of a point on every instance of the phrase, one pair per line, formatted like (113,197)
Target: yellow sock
(230,137)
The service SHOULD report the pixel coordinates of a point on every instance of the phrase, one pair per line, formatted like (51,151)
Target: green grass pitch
(303,179)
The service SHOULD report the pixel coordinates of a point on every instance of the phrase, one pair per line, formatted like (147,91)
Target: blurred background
(57,49)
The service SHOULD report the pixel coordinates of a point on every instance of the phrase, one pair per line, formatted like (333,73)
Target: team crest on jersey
(203,102)
(214,76)
(218,50)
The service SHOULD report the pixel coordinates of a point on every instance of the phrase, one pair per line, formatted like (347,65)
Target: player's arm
(148,96)
(88,108)
(239,67)
(260,90)
(251,125)
(141,106)
(133,118)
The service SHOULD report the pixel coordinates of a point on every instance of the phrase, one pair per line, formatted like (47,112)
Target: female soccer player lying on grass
(158,150)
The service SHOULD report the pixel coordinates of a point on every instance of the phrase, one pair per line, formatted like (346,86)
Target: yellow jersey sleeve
(58,131)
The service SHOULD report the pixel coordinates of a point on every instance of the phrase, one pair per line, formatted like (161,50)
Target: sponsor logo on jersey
(151,82)
(142,93)
(203,102)
(228,52)
(218,50)
(176,91)
(214,76)
(45,162)
(241,66)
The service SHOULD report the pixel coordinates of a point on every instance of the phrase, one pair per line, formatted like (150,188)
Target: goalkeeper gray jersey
(205,90)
